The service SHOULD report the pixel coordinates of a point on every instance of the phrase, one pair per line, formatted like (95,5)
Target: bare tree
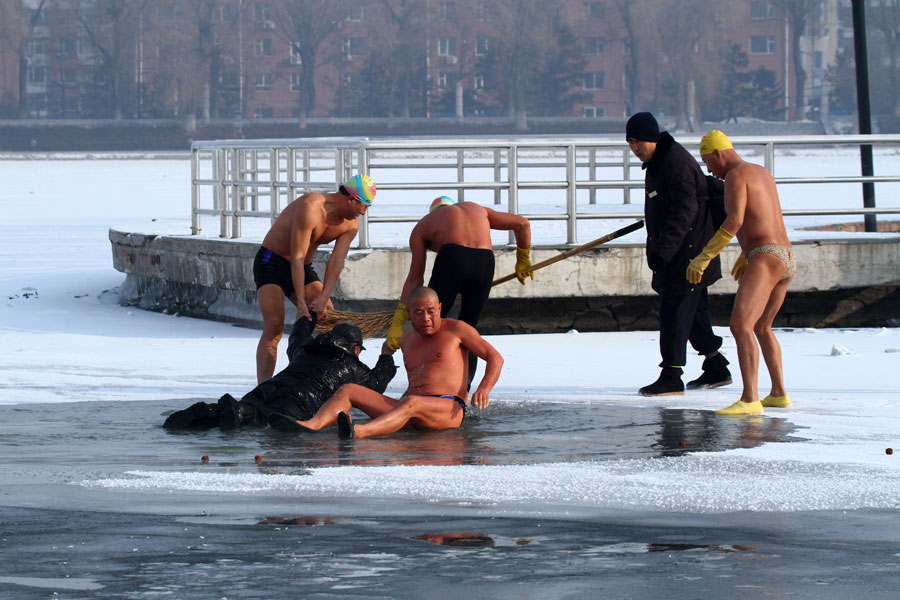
(110,25)
(402,44)
(630,36)
(800,15)
(18,31)
(887,21)
(306,24)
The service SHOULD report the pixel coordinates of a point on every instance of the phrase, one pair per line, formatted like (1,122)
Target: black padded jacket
(678,222)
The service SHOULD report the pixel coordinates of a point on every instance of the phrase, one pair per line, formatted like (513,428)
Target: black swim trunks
(269,267)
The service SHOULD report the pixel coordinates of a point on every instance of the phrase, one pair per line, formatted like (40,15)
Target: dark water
(129,435)
(63,541)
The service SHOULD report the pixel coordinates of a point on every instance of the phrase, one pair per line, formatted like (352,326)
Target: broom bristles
(372,324)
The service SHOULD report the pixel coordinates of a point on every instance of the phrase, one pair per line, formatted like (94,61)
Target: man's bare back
(466,224)
(753,208)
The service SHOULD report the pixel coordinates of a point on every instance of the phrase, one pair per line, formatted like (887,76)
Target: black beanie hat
(642,126)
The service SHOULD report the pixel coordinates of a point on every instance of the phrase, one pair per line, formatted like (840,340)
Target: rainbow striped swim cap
(362,188)
(440,201)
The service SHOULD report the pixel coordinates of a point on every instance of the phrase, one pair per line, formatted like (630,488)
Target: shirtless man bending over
(284,262)
(764,268)
(460,234)
(435,356)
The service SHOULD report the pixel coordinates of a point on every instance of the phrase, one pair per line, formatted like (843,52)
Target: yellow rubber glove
(740,265)
(701,261)
(523,262)
(396,330)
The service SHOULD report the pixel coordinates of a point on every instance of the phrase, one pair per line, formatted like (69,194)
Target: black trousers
(685,318)
(467,272)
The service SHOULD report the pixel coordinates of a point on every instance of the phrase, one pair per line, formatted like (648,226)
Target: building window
(356,11)
(762,44)
(447,46)
(37,75)
(355,46)
(818,59)
(478,81)
(65,47)
(446,81)
(593,10)
(263,46)
(84,47)
(262,113)
(37,48)
(594,111)
(264,82)
(483,11)
(66,76)
(760,11)
(481,46)
(262,12)
(296,59)
(295,82)
(595,80)
(347,78)
(595,46)
(447,11)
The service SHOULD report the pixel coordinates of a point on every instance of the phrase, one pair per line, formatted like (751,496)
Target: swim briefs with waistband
(783,253)
(457,399)
(269,267)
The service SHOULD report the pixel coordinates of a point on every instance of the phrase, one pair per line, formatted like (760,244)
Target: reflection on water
(130,434)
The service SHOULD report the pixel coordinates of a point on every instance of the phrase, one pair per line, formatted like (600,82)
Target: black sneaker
(668,384)
(197,416)
(715,374)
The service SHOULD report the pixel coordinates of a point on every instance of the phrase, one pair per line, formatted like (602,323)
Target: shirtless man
(434,353)
(754,215)
(284,262)
(460,234)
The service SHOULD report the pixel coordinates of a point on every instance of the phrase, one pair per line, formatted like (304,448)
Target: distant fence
(238,179)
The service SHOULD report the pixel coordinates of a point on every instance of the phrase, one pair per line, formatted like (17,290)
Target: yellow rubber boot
(776,401)
(742,408)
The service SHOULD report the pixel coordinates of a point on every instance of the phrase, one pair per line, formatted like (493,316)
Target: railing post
(592,173)
(236,175)
(770,158)
(362,160)
(571,196)
(497,175)
(291,174)
(626,174)
(195,192)
(274,195)
(460,173)
(512,195)
(222,190)
(254,176)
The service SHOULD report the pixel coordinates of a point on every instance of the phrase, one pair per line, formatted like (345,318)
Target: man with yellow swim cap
(764,269)
(677,224)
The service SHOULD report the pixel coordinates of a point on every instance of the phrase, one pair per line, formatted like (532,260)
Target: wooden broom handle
(601,240)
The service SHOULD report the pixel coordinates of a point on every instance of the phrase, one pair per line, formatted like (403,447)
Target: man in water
(460,234)
(435,352)
(754,215)
(318,368)
(283,265)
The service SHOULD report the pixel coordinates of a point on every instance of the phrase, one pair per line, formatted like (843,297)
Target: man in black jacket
(318,367)
(678,226)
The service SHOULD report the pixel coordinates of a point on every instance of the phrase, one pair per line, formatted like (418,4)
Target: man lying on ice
(318,367)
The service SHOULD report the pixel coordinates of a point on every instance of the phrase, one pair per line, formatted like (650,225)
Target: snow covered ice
(65,340)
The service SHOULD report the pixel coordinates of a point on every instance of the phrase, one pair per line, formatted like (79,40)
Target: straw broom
(374,324)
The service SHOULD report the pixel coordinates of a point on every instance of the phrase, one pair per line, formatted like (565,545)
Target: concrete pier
(846,280)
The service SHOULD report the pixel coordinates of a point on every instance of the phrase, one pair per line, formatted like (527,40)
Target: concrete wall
(605,288)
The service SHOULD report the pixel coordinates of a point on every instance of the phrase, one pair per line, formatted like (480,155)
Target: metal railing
(256,178)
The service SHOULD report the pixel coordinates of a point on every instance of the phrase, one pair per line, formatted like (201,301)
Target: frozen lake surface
(568,485)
